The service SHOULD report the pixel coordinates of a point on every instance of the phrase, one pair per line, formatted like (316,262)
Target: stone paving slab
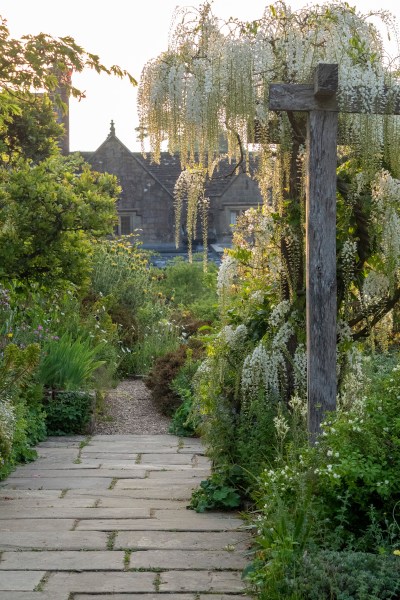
(182,559)
(161,484)
(36,596)
(115,456)
(71,473)
(138,441)
(57,453)
(43,464)
(19,581)
(27,504)
(182,540)
(173,459)
(65,512)
(191,516)
(6,494)
(138,597)
(201,581)
(146,466)
(153,504)
(176,492)
(136,437)
(178,476)
(182,524)
(101,582)
(61,442)
(63,561)
(64,540)
(36,524)
(55,483)
(98,450)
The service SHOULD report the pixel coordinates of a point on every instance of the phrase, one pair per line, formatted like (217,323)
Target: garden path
(105,517)
(129,408)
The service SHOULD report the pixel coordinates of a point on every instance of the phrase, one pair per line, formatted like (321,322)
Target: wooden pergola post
(319,101)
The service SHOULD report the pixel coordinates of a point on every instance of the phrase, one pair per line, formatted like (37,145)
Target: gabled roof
(168,170)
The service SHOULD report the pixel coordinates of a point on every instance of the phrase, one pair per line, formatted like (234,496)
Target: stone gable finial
(112,129)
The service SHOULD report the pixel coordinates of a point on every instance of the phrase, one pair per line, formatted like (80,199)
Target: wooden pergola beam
(303,98)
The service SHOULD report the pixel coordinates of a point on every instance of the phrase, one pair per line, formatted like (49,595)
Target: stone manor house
(147,201)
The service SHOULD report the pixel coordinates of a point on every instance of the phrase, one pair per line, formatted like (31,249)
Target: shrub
(69,412)
(341,495)
(358,457)
(28,428)
(17,366)
(165,370)
(187,286)
(342,575)
(158,339)
(218,492)
(185,421)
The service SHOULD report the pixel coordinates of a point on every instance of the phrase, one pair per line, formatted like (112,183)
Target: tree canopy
(42,62)
(51,207)
(48,215)
(33,131)
(37,64)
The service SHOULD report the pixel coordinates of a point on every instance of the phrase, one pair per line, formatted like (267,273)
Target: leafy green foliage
(187,286)
(219,492)
(341,495)
(42,62)
(122,276)
(29,428)
(68,364)
(166,370)
(48,214)
(32,133)
(185,420)
(183,423)
(68,412)
(343,575)
(359,456)
(16,368)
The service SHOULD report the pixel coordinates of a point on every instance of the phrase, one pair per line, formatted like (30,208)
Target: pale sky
(126,33)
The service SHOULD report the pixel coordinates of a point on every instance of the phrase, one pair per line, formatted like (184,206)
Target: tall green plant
(68,364)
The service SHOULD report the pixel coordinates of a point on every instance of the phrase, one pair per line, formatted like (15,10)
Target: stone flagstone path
(105,517)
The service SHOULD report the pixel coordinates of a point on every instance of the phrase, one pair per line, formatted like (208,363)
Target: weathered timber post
(319,101)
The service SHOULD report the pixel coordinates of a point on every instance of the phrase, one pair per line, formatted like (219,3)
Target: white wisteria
(214,78)
(212,84)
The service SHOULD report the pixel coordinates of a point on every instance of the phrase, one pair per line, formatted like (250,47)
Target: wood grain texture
(321,266)
(298,97)
(302,98)
(326,79)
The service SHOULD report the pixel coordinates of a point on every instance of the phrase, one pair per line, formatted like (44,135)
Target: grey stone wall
(146,200)
(142,198)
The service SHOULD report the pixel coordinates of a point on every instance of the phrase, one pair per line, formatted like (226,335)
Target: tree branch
(379,310)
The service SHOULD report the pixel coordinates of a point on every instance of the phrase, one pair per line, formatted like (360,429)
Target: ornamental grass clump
(68,363)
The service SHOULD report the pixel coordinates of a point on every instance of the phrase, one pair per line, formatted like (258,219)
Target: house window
(234,215)
(125,225)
